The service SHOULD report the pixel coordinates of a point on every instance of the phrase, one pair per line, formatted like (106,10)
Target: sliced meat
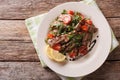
(58,39)
(77,27)
(82,22)
(76,50)
(92,29)
(83,50)
(64,46)
(87,38)
(69,47)
(95,29)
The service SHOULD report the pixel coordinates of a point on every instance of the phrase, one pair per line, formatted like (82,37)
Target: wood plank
(115,25)
(115,54)
(17,51)
(15,9)
(34,71)
(25,71)
(110,8)
(13,30)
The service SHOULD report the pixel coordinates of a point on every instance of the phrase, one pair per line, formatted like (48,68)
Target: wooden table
(18,58)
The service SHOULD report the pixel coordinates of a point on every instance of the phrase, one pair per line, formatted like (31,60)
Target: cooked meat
(82,22)
(92,29)
(64,46)
(95,29)
(87,38)
(54,41)
(77,27)
(69,47)
(58,39)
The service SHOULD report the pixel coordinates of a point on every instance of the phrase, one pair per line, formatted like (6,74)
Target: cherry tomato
(72,54)
(50,35)
(84,28)
(56,47)
(89,22)
(83,50)
(71,12)
(66,18)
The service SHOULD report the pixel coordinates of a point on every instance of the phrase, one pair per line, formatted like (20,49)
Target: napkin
(33,23)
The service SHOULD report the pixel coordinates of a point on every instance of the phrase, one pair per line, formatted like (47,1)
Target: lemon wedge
(49,52)
(59,57)
(55,55)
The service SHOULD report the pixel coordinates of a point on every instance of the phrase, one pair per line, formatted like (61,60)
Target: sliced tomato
(84,28)
(72,54)
(83,50)
(71,12)
(50,35)
(56,47)
(66,18)
(89,22)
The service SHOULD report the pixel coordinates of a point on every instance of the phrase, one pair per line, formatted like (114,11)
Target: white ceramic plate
(89,62)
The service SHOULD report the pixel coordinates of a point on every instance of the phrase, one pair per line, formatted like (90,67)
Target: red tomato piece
(50,35)
(89,22)
(57,47)
(84,28)
(71,12)
(72,54)
(83,50)
(66,18)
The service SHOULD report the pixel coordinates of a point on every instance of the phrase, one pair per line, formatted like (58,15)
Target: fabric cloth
(33,23)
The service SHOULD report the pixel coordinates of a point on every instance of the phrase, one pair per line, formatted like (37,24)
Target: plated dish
(94,58)
(69,36)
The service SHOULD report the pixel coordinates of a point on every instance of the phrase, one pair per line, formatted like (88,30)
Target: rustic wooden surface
(18,59)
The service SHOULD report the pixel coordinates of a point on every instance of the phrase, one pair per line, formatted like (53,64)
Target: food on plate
(69,36)
(55,55)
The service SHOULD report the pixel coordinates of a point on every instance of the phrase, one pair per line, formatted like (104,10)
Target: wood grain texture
(25,71)
(110,8)
(115,54)
(15,9)
(34,71)
(17,51)
(115,25)
(13,30)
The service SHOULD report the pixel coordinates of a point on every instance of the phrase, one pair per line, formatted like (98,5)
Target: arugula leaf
(75,20)
(61,29)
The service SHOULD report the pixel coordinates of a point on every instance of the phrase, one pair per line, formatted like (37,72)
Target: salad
(69,36)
